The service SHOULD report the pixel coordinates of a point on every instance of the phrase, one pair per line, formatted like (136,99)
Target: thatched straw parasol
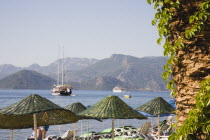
(77,108)
(34,111)
(157,106)
(111,107)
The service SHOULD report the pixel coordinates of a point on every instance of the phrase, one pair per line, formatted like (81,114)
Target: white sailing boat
(61,89)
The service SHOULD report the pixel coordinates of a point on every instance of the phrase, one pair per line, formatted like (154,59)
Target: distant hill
(8,69)
(26,79)
(70,64)
(130,72)
(127,71)
(101,83)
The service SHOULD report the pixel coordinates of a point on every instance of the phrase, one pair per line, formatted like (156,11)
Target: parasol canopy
(76,107)
(157,106)
(20,114)
(111,107)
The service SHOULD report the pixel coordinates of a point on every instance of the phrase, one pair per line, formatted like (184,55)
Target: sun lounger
(144,131)
(68,135)
(89,136)
(162,137)
(52,137)
(106,133)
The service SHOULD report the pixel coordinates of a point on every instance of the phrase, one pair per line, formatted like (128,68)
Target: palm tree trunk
(193,64)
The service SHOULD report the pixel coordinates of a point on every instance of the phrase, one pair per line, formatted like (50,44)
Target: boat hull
(127,96)
(60,91)
(118,89)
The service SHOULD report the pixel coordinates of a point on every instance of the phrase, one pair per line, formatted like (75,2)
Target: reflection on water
(8,97)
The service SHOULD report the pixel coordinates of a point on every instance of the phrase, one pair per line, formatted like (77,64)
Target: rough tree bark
(193,63)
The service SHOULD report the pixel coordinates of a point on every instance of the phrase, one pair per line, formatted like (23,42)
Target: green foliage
(198,119)
(197,20)
(163,19)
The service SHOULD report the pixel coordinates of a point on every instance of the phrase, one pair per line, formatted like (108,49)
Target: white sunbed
(51,136)
(68,134)
(161,137)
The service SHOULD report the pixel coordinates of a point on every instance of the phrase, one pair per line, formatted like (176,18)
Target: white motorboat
(118,89)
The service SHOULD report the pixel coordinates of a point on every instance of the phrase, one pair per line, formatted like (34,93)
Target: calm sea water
(8,97)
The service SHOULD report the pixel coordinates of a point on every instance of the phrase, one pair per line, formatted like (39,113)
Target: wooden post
(35,126)
(158,127)
(75,127)
(88,128)
(59,127)
(112,129)
(123,130)
(81,127)
(11,135)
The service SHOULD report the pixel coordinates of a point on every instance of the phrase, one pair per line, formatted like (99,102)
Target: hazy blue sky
(32,30)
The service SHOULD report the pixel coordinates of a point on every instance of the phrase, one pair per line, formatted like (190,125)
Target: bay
(87,98)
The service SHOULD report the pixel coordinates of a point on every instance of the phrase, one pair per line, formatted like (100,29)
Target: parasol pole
(81,127)
(112,129)
(35,125)
(123,129)
(88,128)
(59,127)
(75,131)
(123,122)
(158,126)
(101,126)
(11,135)
(151,121)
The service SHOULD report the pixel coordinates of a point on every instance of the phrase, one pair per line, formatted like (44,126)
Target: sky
(31,31)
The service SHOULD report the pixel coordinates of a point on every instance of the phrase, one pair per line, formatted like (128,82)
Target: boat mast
(58,81)
(62,66)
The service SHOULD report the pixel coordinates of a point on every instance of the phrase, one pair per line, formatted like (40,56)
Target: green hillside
(26,79)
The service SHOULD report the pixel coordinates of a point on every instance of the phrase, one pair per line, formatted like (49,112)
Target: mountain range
(130,72)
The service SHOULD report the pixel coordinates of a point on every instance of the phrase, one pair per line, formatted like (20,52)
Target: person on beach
(44,130)
(169,124)
(165,126)
(39,134)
